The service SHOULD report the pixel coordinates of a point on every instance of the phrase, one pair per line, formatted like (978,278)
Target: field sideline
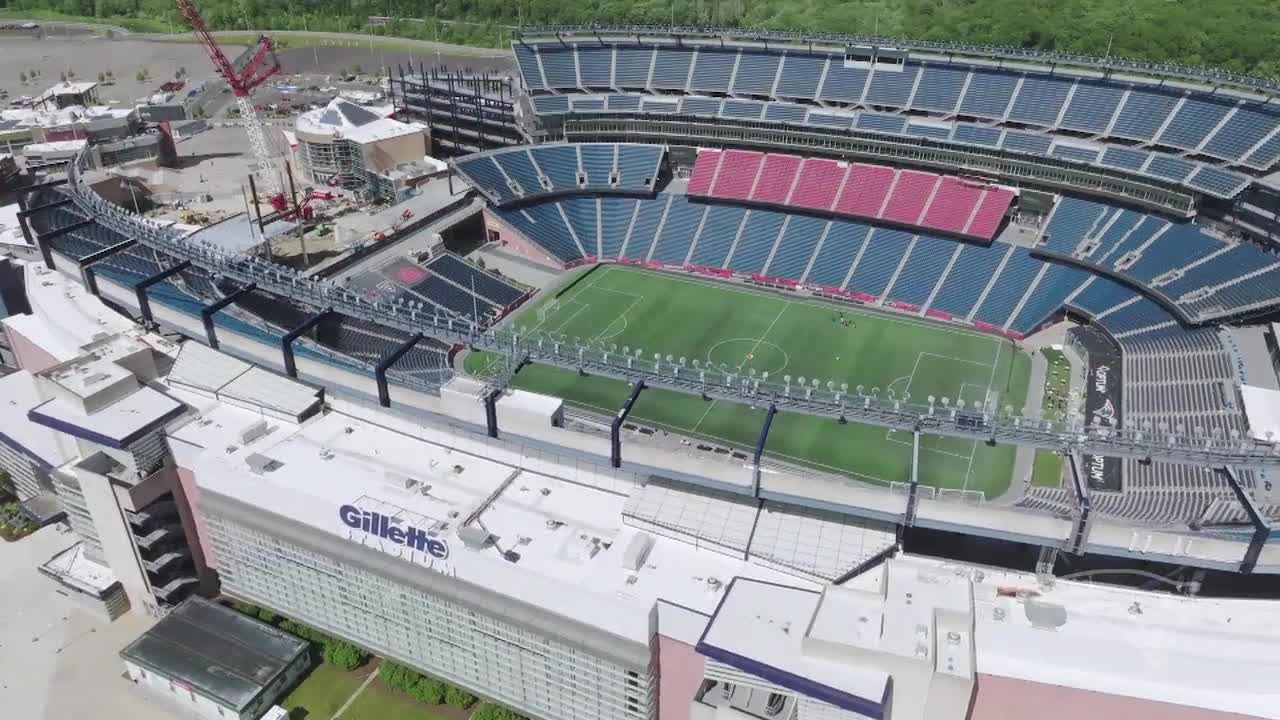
(749,330)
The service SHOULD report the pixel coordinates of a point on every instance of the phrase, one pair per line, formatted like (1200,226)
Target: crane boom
(260,63)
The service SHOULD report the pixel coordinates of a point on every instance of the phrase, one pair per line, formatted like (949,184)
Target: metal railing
(935,416)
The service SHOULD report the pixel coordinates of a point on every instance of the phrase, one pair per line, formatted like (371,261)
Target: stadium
(788,304)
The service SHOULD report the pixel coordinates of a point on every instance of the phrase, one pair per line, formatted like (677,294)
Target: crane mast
(254,67)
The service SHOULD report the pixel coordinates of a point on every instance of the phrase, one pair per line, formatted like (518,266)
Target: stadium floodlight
(786,379)
(697,363)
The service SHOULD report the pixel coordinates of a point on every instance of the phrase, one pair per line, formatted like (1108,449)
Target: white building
(347,145)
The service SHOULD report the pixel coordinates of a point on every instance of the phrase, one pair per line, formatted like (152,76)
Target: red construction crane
(250,70)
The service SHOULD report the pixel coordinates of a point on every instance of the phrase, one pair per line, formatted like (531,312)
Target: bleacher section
(261,317)
(1216,125)
(906,197)
(522,173)
(963,101)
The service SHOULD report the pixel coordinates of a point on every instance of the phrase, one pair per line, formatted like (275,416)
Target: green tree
(6,484)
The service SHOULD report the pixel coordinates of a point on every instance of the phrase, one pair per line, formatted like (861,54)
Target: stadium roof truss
(991,424)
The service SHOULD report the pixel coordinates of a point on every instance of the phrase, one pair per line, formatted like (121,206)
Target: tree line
(1233,35)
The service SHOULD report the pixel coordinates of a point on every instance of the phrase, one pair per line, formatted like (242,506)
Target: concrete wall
(118,549)
(176,695)
(30,356)
(680,670)
(1002,698)
(513,240)
(186,495)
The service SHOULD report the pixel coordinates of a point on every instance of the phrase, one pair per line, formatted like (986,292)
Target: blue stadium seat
(1101,295)
(1039,100)
(1091,106)
(551,104)
(785,113)
(929,257)
(837,253)
(712,70)
(968,277)
(559,163)
(560,66)
(888,87)
(596,64)
(527,60)
(587,103)
(623,103)
(1176,247)
(615,220)
(746,109)
(1027,143)
(638,166)
(671,68)
(1057,284)
(597,162)
(1250,124)
(1009,287)
(717,236)
(937,132)
(543,224)
(939,88)
(977,135)
(833,120)
(988,94)
(632,67)
(1218,181)
(800,75)
(677,234)
(519,168)
(1074,153)
(895,124)
(646,226)
(1170,167)
(1124,158)
(1193,122)
(469,277)
(842,84)
(584,219)
(880,259)
(700,106)
(799,239)
(756,242)
(1071,222)
(1143,114)
(756,72)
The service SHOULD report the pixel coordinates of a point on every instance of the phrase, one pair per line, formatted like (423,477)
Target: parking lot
(57,662)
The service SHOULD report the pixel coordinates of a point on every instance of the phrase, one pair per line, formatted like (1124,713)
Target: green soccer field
(748,329)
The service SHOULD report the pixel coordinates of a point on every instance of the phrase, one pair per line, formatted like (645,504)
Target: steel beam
(380,372)
(615,429)
(88,261)
(913,492)
(1261,527)
(759,452)
(140,290)
(1084,505)
(208,311)
(286,342)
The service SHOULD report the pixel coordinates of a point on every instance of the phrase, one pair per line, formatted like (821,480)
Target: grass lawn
(320,695)
(379,703)
(1047,469)
(745,329)
(136,24)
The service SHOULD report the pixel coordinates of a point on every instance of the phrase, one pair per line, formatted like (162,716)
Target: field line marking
(704,416)
(599,274)
(969,471)
(955,359)
(767,330)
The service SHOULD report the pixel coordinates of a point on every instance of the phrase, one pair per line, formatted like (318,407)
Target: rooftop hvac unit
(637,551)
(259,463)
(253,431)
(475,537)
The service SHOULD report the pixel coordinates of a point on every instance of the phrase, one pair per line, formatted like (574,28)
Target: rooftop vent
(259,463)
(475,537)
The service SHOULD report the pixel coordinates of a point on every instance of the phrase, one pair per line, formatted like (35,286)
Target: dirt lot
(88,56)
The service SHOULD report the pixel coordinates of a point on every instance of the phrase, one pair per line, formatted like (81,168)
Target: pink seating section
(776,178)
(819,182)
(737,174)
(911,194)
(910,197)
(704,170)
(953,204)
(865,189)
(990,213)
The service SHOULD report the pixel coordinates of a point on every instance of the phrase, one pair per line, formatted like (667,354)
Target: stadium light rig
(259,64)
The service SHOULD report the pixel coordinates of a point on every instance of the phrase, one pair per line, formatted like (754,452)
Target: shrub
(343,655)
(397,677)
(429,691)
(459,698)
(490,711)
(266,616)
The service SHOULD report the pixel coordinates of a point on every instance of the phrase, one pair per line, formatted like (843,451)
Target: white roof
(56,146)
(1262,407)
(65,317)
(115,425)
(566,535)
(74,568)
(68,87)
(344,119)
(10,230)
(225,377)
(765,624)
(19,392)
